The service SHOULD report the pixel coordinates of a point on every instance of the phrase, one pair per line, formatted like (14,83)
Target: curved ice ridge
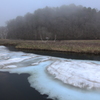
(77,73)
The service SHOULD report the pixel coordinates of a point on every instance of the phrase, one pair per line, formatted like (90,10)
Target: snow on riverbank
(77,73)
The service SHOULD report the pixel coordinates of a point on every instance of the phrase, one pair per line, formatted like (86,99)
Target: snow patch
(77,73)
(10,66)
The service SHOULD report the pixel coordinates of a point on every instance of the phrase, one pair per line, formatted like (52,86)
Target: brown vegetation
(77,46)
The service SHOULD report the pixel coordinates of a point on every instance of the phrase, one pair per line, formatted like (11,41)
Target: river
(23,76)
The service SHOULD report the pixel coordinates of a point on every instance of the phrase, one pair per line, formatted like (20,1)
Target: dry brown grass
(78,46)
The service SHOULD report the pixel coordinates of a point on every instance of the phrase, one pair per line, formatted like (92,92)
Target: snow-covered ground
(78,78)
(77,73)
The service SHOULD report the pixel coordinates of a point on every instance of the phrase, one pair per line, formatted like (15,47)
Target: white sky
(10,9)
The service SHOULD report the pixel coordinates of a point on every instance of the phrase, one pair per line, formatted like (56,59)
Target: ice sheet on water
(41,80)
(77,73)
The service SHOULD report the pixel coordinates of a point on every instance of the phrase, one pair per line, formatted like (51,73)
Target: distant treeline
(61,23)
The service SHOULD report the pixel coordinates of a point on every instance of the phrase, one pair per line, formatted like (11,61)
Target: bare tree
(55,38)
(3,32)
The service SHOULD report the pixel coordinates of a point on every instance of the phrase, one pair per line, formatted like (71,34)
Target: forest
(67,22)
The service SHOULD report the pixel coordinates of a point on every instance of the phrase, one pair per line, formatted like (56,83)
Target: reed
(77,46)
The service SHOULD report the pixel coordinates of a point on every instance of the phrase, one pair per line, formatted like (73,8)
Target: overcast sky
(10,9)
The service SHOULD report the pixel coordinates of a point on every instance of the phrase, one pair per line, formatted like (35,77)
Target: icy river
(59,78)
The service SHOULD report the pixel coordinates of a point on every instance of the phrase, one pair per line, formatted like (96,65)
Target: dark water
(61,54)
(16,87)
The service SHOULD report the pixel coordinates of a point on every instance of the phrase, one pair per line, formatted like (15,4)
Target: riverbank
(72,46)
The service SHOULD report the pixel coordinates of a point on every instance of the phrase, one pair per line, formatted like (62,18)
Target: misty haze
(50,50)
(63,23)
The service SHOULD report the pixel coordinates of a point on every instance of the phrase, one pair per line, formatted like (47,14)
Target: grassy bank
(77,46)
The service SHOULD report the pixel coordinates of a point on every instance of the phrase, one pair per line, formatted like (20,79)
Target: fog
(10,9)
